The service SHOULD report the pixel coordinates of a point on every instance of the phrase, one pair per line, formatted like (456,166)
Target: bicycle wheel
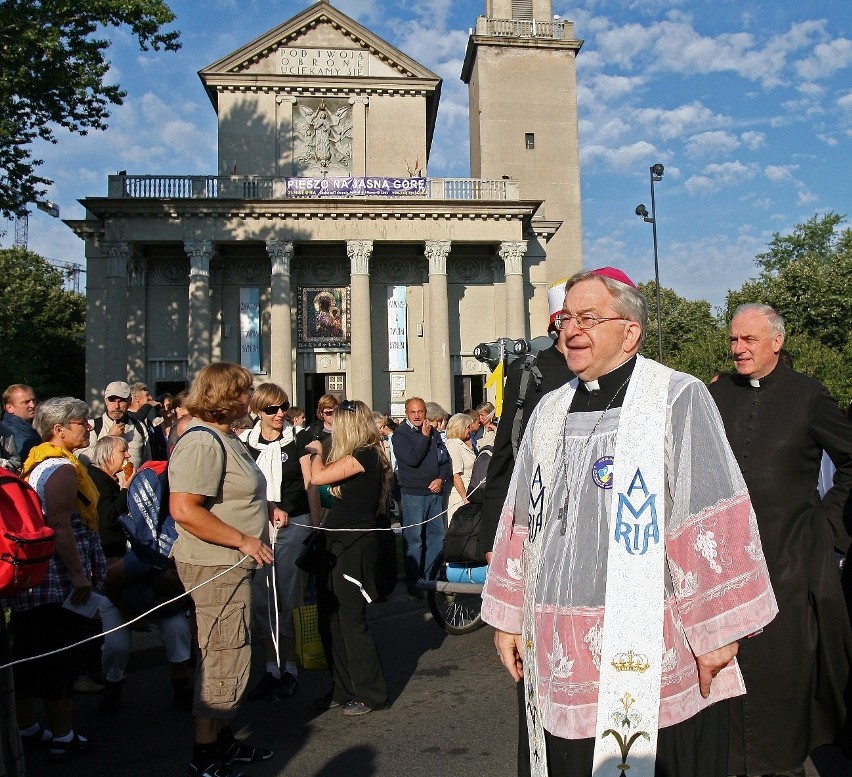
(459,613)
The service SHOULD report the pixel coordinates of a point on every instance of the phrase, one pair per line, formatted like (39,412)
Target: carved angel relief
(323,140)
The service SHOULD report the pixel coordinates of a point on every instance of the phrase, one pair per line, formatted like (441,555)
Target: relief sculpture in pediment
(323,139)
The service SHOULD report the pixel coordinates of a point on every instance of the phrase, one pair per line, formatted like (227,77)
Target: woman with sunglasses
(360,473)
(279,452)
(321,428)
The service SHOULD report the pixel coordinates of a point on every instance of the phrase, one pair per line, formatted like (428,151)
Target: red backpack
(26,542)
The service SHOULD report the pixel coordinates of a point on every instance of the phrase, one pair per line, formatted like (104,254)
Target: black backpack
(462,543)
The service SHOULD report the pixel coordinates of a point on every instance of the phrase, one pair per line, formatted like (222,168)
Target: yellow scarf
(87,491)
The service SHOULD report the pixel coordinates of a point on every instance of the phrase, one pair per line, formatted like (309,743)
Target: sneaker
(327,702)
(243,753)
(214,770)
(286,686)
(354,708)
(264,688)
(41,738)
(61,751)
(85,684)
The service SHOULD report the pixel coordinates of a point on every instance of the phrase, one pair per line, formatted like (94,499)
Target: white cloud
(711,143)
(845,102)
(778,173)
(622,158)
(826,60)
(753,140)
(676,122)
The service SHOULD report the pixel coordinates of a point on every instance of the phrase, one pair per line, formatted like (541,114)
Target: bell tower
(520,68)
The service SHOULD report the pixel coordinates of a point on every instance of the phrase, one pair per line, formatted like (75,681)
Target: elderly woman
(279,451)
(39,621)
(359,471)
(131,584)
(218,500)
(462,458)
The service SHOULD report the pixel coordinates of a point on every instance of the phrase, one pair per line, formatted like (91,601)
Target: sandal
(60,751)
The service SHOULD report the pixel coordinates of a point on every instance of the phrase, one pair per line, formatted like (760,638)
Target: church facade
(321,254)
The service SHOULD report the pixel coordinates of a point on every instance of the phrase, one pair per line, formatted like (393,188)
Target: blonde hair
(457,426)
(354,430)
(216,393)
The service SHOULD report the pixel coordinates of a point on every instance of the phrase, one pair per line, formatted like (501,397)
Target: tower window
(529,140)
(522,9)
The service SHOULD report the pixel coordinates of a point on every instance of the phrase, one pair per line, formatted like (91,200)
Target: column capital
(437,252)
(281,253)
(512,255)
(136,269)
(117,254)
(359,252)
(359,99)
(200,252)
(284,98)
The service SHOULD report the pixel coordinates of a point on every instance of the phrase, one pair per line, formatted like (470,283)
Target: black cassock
(796,671)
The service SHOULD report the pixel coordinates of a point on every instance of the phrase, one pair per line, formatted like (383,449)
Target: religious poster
(323,317)
(397,328)
(250,329)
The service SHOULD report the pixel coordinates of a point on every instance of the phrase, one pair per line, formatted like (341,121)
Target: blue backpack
(149,527)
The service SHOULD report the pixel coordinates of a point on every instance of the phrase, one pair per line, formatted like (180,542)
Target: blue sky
(747,103)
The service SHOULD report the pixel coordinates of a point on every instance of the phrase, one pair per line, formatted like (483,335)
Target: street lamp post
(641,210)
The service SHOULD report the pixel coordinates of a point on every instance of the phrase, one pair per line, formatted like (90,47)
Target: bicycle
(454,594)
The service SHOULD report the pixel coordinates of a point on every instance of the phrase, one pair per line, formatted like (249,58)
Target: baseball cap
(118,388)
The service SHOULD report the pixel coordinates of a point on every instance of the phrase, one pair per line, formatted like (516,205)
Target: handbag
(462,542)
(312,557)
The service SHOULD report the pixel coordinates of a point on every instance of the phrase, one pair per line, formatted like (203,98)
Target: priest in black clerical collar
(606,391)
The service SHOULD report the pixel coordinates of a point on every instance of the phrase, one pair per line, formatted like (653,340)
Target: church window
(529,140)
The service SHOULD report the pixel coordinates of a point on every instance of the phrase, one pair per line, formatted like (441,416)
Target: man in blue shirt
(423,465)
(20,405)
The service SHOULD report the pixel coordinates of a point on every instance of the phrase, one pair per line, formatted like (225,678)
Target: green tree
(807,277)
(52,73)
(693,341)
(42,327)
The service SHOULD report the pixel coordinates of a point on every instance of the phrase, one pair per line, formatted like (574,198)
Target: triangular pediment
(320,46)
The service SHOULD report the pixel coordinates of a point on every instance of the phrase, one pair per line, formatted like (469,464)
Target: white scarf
(269,458)
(640,446)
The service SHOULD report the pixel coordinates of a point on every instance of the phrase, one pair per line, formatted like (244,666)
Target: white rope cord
(275,640)
(123,625)
(273,536)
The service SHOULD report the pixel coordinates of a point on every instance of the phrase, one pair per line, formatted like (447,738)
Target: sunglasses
(348,405)
(273,409)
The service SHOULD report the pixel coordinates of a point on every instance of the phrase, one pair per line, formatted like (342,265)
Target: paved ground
(452,713)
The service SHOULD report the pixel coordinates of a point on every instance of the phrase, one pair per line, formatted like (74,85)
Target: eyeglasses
(583,321)
(348,405)
(273,409)
(328,412)
(81,422)
(118,399)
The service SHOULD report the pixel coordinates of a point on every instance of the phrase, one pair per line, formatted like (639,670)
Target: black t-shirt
(294,497)
(358,504)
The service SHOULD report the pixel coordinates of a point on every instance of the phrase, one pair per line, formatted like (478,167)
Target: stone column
(512,255)
(198,329)
(359,135)
(281,319)
(284,135)
(115,344)
(438,325)
(361,361)
(137,355)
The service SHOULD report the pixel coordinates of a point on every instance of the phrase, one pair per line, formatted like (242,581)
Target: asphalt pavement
(452,712)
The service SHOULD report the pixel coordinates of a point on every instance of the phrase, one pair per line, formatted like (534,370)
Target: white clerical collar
(592,385)
(755,382)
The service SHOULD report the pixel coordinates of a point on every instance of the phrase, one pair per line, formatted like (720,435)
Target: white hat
(118,388)
(555,300)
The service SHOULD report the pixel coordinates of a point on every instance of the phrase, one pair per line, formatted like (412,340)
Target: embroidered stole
(629,695)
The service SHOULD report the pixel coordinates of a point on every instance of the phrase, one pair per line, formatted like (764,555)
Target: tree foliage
(806,276)
(53,70)
(42,327)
